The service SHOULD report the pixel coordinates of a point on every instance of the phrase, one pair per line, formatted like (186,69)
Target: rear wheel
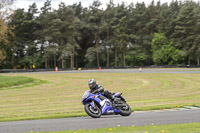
(93,112)
(125,110)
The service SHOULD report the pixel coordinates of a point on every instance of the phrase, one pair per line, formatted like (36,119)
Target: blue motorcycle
(97,105)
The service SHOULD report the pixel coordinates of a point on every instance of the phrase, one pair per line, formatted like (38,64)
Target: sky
(85,3)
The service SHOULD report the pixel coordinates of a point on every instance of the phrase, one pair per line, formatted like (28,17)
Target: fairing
(106,105)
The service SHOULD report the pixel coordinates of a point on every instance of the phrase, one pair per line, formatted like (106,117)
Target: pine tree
(70,33)
(95,26)
(107,25)
(185,30)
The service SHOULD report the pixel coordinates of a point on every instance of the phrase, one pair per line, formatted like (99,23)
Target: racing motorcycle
(97,105)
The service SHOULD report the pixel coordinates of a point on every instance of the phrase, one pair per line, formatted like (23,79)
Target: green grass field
(176,128)
(13,81)
(61,95)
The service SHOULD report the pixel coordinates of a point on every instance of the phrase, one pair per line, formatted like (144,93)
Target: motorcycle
(97,105)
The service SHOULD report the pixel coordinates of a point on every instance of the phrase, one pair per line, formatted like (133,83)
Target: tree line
(118,36)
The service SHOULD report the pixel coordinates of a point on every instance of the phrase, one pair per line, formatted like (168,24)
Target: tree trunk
(97,51)
(12,61)
(63,63)
(124,54)
(72,60)
(76,57)
(54,60)
(108,56)
(198,60)
(188,60)
(108,49)
(115,57)
(46,63)
(97,59)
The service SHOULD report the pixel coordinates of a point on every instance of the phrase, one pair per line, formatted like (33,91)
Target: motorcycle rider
(97,88)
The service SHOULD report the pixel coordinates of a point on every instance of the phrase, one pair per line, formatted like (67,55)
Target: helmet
(92,83)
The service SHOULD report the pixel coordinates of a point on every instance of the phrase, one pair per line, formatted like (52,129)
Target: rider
(97,88)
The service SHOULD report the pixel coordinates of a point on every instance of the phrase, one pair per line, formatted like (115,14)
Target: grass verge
(175,128)
(10,82)
(61,95)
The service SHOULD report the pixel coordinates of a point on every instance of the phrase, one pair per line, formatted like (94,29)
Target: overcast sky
(85,3)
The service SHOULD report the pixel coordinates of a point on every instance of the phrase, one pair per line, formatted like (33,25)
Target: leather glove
(96,91)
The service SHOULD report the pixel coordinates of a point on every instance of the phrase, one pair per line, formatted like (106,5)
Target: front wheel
(93,112)
(125,110)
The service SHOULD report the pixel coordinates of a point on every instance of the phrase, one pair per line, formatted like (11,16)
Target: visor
(90,85)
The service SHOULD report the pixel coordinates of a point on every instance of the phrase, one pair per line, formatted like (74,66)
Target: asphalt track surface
(137,119)
(135,70)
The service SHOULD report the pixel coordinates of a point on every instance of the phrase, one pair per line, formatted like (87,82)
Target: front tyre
(95,113)
(125,110)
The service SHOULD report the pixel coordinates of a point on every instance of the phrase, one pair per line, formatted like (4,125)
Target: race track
(135,70)
(137,119)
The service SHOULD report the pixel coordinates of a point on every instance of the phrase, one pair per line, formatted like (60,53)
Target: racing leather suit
(99,89)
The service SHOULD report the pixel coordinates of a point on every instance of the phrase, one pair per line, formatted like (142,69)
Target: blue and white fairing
(105,104)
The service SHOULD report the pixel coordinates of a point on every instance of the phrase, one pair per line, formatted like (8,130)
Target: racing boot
(114,99)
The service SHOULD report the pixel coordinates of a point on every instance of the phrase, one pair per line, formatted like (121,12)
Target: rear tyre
(95,113)
(126,110)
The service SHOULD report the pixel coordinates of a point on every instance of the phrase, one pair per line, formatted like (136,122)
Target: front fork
(93,105)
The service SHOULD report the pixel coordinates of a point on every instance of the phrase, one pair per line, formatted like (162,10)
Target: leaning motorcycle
(97,105)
